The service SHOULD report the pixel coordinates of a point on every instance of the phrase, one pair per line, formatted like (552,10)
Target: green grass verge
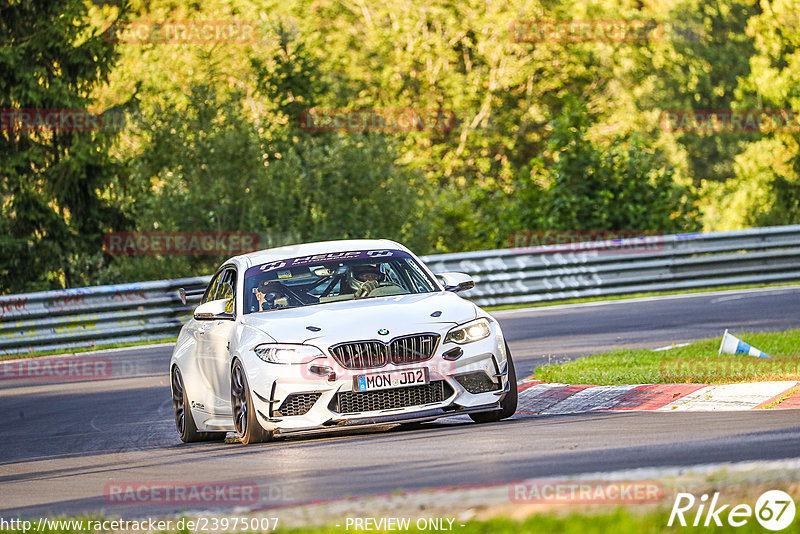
(694,363)
(633,296)
(76,350)
(619,521)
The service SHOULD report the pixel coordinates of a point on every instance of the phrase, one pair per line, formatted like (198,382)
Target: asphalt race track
(62,443)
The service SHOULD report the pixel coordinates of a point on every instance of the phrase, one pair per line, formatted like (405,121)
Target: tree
(616,187)
(207,166)
(698,64)
(53,182)
(767,185)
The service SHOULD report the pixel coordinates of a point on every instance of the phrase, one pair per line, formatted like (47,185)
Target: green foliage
(208,168)
(771,165)
(697,66)
(618,187)
(52,183)
(549,135)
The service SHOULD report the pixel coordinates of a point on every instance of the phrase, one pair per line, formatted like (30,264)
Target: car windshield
(322,278)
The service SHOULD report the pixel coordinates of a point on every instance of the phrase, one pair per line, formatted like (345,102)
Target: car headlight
(469,332)
(285,353)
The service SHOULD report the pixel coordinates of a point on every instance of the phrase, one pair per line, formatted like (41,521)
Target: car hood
(361,319)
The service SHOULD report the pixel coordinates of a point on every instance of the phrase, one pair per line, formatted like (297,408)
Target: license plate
(391,379)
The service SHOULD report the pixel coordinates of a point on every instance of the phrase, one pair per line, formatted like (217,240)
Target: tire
(184,421)
(508,406)
(245,418)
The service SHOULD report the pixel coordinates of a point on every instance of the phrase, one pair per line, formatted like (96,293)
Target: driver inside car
(365,278)
(270,295)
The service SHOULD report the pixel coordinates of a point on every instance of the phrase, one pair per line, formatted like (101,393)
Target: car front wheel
(508,406)
(244,414)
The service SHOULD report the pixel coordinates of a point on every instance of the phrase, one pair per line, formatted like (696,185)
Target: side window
(227,288)
(211,290)
(418,278)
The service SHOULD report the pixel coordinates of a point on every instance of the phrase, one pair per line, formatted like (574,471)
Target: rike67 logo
(774,510)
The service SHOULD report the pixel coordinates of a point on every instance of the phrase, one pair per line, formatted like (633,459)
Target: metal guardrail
(89,316)
(84,317)
(616,267)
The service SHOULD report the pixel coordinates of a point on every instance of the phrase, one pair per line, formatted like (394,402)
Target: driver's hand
(366,288)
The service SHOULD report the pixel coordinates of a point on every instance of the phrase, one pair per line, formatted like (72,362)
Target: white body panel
(206,349)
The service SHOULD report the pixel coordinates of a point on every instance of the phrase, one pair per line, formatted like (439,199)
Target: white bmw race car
(324,335)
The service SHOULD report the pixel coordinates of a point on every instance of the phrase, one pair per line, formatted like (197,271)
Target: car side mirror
(215,310)
(456,282)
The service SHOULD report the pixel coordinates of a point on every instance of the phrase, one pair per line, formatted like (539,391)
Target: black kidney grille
(386,399)
(372,354)
(412,349)
(361,354)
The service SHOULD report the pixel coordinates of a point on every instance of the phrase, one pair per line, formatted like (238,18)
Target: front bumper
(289,398)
